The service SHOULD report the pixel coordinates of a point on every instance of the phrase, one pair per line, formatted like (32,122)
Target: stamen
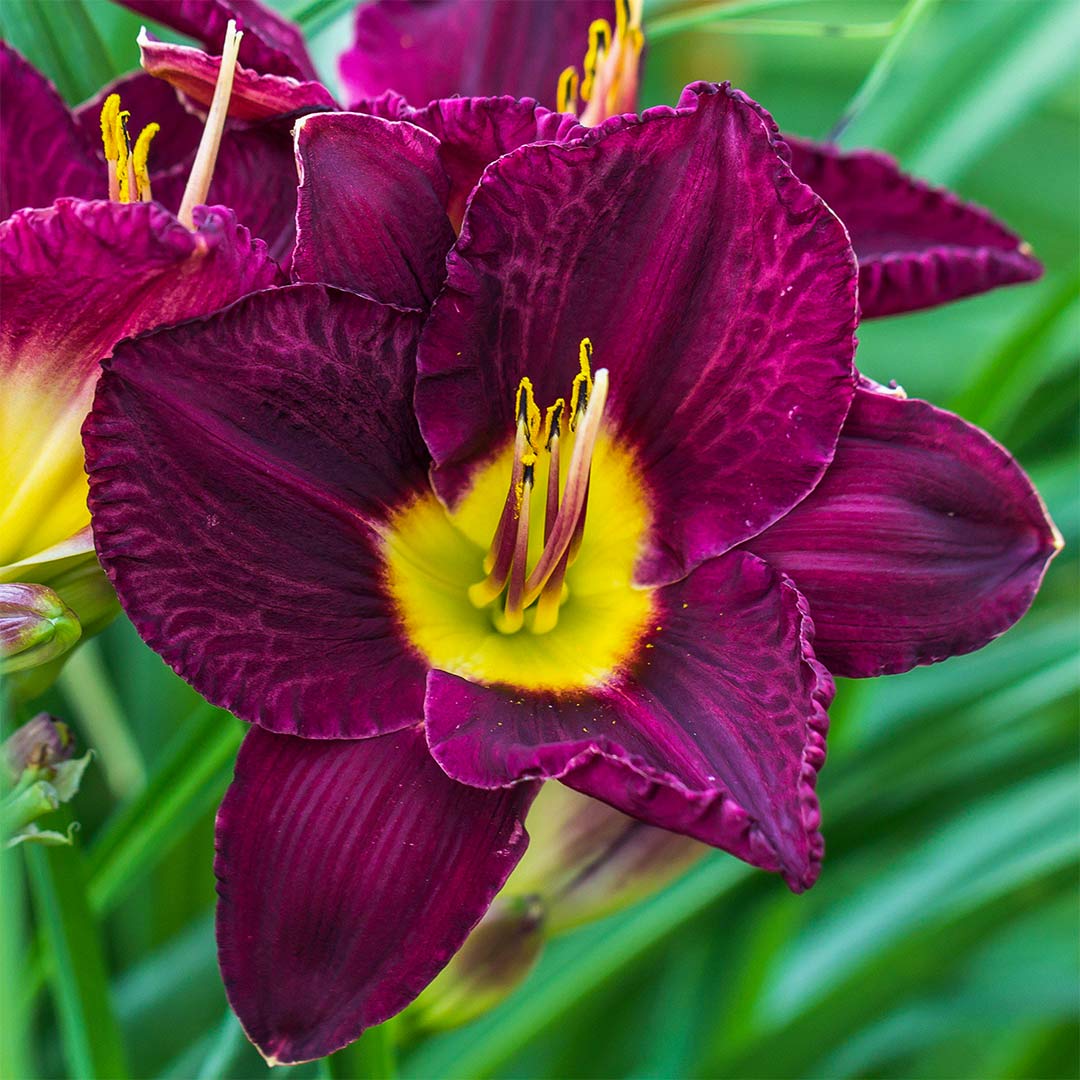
(498,560)
(577,483)
(613,88)
(110,115)
(566,97)
(599,46)
(125,174)
(202,172)
(582,388)
(139,162)
(552,426)
(513,615)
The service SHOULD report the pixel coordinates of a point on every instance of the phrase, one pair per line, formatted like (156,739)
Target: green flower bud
(36,626)
(498,954)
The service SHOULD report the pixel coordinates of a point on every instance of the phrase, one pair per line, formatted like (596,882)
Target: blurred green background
(942,938)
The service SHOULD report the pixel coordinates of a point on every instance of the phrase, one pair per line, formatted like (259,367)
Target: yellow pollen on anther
(599,45)
(566,97)
(553,420)
(123,148)
(140,162)
(582,387)
(110,113)
(526,409)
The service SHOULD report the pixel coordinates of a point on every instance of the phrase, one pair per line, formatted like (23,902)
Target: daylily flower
(555,545)
(50,151)
(918,246)
(77,277)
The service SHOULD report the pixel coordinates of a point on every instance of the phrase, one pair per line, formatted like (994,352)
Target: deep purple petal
(43,153)
(716,288)
(470,47)
(372,208)
(349,873)
(255,96)
(78,276)
(918,246)
(271,44)
(717,731)
(240,469)
(473,132)
(924,540)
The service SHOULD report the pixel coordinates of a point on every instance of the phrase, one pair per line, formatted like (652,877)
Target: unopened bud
(36,626)
(587,860)
(42,774)
(497,955)
(41,743)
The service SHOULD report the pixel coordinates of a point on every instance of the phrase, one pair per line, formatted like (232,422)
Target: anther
(566,97)
(599,46)
(140,162)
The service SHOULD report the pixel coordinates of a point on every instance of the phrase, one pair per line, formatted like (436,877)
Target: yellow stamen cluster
(608,84)
(506,562)
(129,174)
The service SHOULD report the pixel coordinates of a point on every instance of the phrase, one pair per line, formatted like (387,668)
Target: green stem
(91,697)
(905,23)
(371,1057)
(802,28)
(227,1044)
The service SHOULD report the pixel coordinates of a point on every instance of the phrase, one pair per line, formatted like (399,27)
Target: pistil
(202,172)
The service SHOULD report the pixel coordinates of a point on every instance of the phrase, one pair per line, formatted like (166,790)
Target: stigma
(128,165)
(510,583)
(608,83)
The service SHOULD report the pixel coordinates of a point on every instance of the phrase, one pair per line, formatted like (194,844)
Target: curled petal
(475,131)
(240,472)
(43,153)
(77,277)
(271,44)
(372,208)
(716,288)
(255,96)
(918,246)
(435,50)
(349,872)
(717,731)
(924,540)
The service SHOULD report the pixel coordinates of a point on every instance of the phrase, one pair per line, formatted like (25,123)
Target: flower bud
(42,774)
(498,954)
(40,744)
(36,626)
(586,859)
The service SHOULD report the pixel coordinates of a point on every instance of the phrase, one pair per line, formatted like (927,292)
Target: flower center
(542,602)
(609,81)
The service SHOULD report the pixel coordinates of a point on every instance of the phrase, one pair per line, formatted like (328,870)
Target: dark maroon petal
(255,96)
(470,47)
(43,153)
(78,276)
(371,215)
(924,540)
(349,873)
(717,289)
(149,100)
(717,731)
(240,470)
(271,44)
(918,246)
(473,132)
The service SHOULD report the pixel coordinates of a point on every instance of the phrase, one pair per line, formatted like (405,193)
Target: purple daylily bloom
(354,528)
(917,246)
(53,152)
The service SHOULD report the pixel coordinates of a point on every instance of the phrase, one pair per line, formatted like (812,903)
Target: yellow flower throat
(542,602)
